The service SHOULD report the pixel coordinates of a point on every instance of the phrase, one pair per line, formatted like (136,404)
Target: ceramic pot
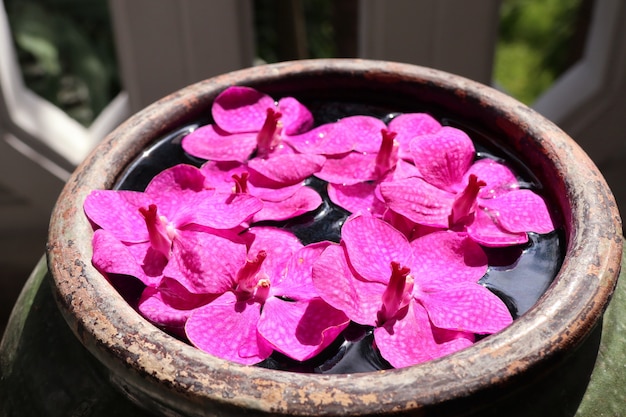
(533,367)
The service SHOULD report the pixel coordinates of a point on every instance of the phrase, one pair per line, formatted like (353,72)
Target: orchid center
(251,280)
(397,293)
(464,204)
(241,183)
(387,156)
(269,135)
(160,231)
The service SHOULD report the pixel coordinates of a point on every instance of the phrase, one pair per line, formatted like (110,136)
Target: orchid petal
(212,143)
(288,168)
(408,126)
(208,324)
(357,198)
(296,117)
(298,282)
(447,257)
(499,178)
(332,276)
(206,262)
(177,179)
(241,109)
(299,329)
(361,132)
(485,231)
(418,201)
(443,157)
(279,245)
(321,140)
(349,169)
(520,211)
(305,199)
(372,245)
(410,339)
(118,212)
(218,210)
(466,307)
(138,260)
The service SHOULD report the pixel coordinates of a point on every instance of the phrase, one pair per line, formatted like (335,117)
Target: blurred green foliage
(538,41)
(66,48)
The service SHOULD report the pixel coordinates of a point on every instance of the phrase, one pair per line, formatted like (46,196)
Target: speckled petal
(466,307)
(289,168)
(206,262)
(212,143)
(418,201)
(297,283)
(279,245)
(359,300)
(217,210)
(486,232)
(410,339)
(296,118)
(357,198)
(372,245)
(499,178)
(208,324)
(300,329)
(352,168)
(241,109)
(520,211)
(137,260)
(305,199)
(443,157)
(408,126)
(447,257)
(118,212)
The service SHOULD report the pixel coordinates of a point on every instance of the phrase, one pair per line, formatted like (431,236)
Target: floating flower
(482,198)
(422,297)
(250,127)
(176,228)
(280,202)
(273,305)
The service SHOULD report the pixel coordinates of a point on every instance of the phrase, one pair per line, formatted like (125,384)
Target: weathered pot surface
(170,377)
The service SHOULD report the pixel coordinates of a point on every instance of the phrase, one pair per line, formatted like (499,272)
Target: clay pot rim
(561,319)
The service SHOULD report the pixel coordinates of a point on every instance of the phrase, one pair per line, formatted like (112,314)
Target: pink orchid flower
(175,228)
(422,297)
(373,153)
(280,202)
(273,305)
(482,198)
(250,127)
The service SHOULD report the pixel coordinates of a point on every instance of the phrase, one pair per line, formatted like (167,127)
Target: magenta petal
(466,307)
(304,200)
(241,109)
(359,300)
(299,329)
(520,211)
(205,262)
(486,232)
(357,198)
(447,257)
(418,201)
(410,339)
(499,178)
(408,126)
(137,260)
(298,282)
(219,210)
(362,132)
(212,143)
(296,118)
(278,244)
(443,157)
(372,245)
(125,221)
(177,179)
(227,329)
(288,168)
(320,140)
(350,169)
